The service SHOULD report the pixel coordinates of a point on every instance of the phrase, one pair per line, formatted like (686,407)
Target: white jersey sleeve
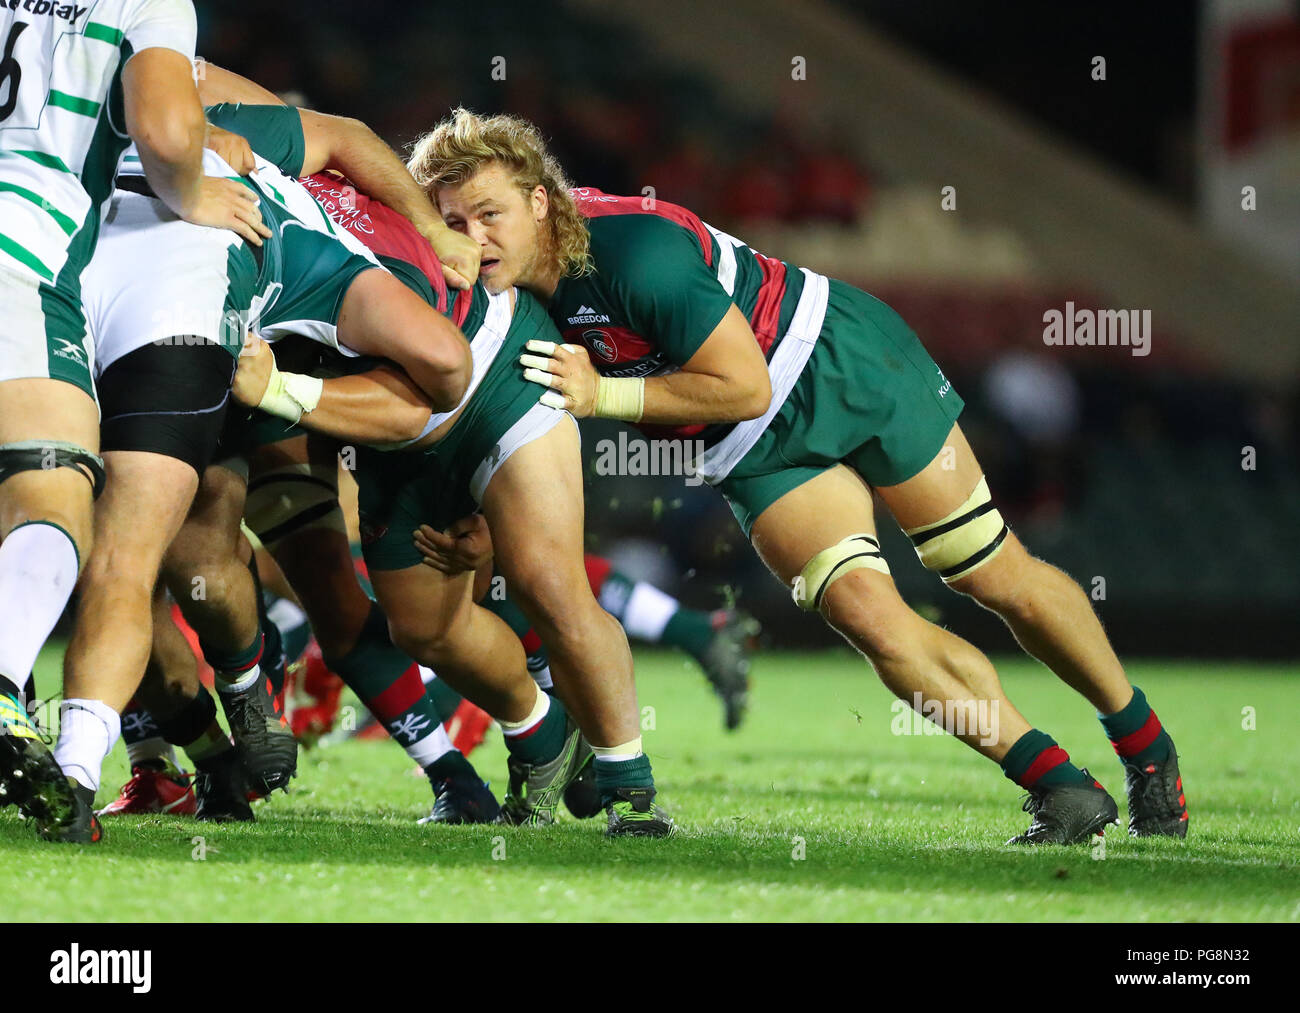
(166,24)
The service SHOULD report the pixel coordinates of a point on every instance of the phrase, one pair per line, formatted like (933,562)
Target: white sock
(286,615)
(248,679)
(153,748)
(38,570)
(87,731)
(541,706)
(648,611)
(430,748)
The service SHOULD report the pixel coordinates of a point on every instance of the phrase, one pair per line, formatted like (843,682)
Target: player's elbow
(170,140)
(446,374)
(753,397)
(407,425)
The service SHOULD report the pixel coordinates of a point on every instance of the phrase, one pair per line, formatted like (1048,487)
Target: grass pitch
(814,810)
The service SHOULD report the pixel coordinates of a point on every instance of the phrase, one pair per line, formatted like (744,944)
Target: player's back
(62,123)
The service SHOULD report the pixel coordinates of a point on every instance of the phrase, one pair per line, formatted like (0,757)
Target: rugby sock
(445,700)
(38,569)
(539,737)
(1036,760)
(648,613)
(538,661)
(274,661)
(144,743)
(236,672)
(87,731)
(275,664)
(689,630)
(542,674)
(451,764)
(1136,732)
(194,728)
(389,684)
(292,623)
(624,766)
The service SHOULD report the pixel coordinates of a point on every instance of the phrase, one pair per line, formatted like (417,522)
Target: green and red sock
(541,741)
(1036,761)
(1136,733)
(389,684)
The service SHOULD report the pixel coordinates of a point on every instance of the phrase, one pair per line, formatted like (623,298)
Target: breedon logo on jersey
(602,344)
(587,315)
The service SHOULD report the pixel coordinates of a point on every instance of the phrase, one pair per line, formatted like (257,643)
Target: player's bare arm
(165,119)
(725,381)
(380,406)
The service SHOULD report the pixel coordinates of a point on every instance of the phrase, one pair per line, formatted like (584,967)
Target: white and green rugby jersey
(62,124)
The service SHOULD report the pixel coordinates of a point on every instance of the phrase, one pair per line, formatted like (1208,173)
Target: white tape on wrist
(620,398)
(290,396)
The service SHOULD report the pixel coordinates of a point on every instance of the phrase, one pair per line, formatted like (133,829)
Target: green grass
(892,827)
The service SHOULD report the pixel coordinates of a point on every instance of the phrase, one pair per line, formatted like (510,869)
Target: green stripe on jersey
(45,159)
(65,223)
(81,106)
(104,33)
(23,255)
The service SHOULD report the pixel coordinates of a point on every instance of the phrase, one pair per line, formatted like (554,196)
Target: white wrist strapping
(291,395)
(620,398)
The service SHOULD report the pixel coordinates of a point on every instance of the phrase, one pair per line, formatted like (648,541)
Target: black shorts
(167,399)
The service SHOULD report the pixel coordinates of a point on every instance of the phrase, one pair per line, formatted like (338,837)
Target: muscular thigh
(811,517)
(140,484)
(534,506)
(421,603)
(939,488)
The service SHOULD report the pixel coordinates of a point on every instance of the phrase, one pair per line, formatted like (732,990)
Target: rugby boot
(29,776)
(726,662)
(1067,813)
(581,797)
(1157,806)
(155,787)
(82,826)
(221,790)
(633,813)
(536,788)
(316,694)
(262,736)
(462,799)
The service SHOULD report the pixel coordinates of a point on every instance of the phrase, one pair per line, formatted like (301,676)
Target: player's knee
(1008,585)
(426,638)
(865,608)
(556,600)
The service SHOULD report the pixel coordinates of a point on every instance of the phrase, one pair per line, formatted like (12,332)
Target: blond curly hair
(463,143)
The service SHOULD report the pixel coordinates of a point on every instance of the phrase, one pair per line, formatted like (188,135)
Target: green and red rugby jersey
(663,281)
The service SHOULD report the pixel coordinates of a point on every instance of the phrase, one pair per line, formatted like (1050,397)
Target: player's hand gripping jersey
(663,281)
(62,128)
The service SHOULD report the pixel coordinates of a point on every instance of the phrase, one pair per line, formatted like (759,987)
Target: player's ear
(541,202)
